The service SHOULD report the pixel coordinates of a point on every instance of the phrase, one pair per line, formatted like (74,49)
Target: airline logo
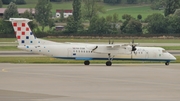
(23,32)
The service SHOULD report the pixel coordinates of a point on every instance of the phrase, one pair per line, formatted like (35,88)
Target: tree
(158,4)
(20,2)
(131,1)
(11,11)
(70,27)
(112,1)
(6,27)
(29,15)
(173,24)
(177,12)
(133,27)
(43,12)
(6,1)
(127,18)
(151,1)
(171,6)
(109,18)
(51,24)
(1,4)
(99,26)
(62,15)
(91,9)
(55,0)
(112,22)
(139,16)
(115,18)
(77,14)
(74,23)
(157,24)
(77,10)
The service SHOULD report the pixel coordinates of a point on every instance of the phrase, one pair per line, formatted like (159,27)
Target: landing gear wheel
(167,63)
(86,62)
(108,63)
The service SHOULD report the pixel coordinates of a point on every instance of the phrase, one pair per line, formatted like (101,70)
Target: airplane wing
(114,49)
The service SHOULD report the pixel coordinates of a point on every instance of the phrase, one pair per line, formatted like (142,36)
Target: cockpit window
(164,51)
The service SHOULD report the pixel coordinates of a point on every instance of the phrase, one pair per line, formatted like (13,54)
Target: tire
(167,63)
(86,62)
(108,63)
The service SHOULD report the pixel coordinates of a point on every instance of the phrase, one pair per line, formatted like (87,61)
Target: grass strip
(171,47)
(62,61)
(9,48)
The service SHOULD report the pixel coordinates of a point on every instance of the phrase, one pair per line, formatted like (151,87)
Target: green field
(120,9)
(133,11)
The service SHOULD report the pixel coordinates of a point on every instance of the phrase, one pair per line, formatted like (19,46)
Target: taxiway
(76,82)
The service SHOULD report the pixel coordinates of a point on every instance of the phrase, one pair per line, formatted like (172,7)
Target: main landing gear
(87,62)
(109,63)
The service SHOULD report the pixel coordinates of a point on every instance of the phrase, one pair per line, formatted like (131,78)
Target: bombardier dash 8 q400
(84,51)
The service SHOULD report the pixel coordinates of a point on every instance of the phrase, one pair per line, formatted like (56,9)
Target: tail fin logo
(22,30)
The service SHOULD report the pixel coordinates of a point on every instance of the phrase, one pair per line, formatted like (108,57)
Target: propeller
(133,47)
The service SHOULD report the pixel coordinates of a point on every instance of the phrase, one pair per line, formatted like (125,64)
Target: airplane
(85,51)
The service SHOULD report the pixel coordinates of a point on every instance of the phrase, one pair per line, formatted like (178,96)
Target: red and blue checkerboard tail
(23,32)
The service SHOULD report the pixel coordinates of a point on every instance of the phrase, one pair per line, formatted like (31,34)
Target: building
(66,13)
(20,10)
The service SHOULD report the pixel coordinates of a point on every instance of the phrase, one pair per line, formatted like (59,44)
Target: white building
(66,13)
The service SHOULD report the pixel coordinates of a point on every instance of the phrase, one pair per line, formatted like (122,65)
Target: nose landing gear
(167,63)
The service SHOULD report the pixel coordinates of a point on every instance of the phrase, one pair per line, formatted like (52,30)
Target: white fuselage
(84,52)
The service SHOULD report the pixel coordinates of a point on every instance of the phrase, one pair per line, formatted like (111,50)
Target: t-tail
(23,32)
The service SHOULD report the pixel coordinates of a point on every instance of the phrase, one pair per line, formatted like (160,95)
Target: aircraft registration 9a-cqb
(84,51)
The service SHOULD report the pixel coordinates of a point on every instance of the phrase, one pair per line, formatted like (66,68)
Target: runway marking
(4,70)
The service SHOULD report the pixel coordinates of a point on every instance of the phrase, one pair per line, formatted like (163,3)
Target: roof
(65,11)
(20,10)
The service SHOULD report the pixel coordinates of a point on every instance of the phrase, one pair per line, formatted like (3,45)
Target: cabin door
(69,52)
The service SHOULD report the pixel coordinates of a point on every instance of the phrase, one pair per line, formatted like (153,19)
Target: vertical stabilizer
(23,32)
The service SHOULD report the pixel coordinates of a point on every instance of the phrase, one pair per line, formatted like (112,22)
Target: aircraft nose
(172,57)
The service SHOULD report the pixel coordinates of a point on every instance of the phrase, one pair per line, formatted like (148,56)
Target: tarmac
(97,82)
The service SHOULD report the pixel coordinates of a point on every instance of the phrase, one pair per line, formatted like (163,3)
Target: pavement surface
(75,82)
